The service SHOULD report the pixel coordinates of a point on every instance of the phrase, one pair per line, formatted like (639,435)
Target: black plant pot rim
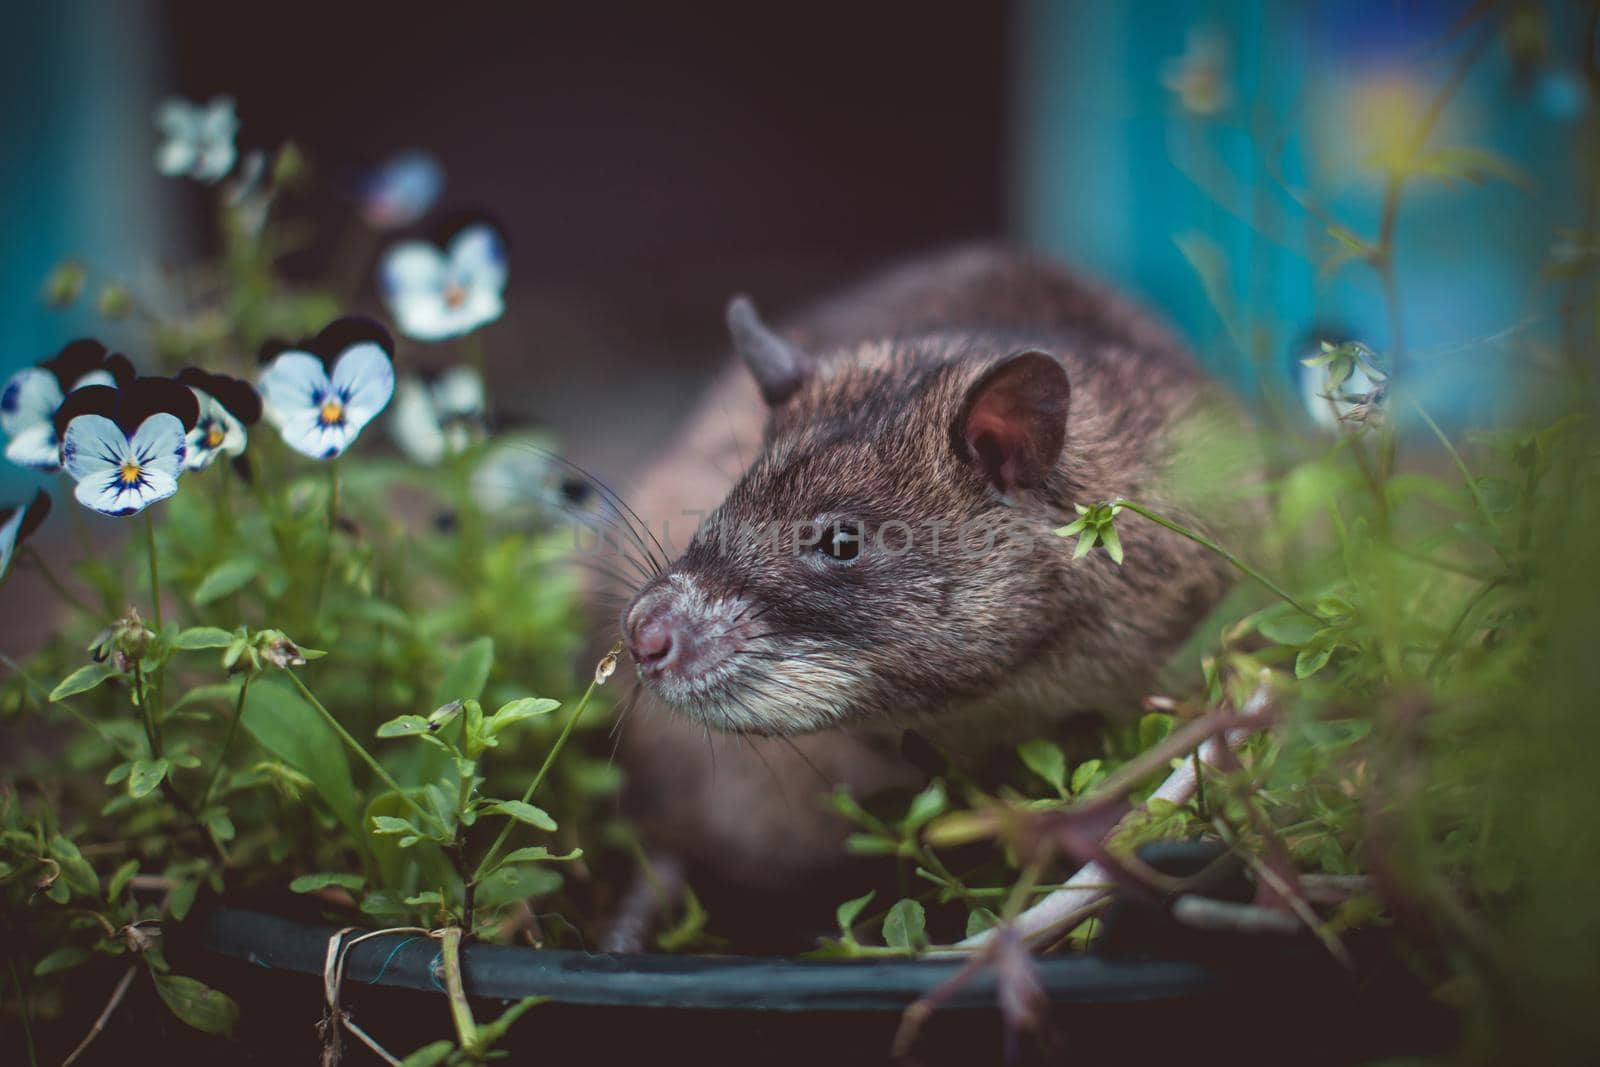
(718,983)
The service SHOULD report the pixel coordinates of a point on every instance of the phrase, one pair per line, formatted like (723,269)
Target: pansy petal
(424,316)
(306,433)
(458,393)
(410,267)
(30,398)
(36,447)
(291,382)
(158,444)
(364,379)
(414,425)
(478,258)
(8,536)
(93,445)
(105,492)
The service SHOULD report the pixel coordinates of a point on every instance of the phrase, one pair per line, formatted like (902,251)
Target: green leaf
(1290,627)
(979,920)
(926,805)
(1084,776)
(1311,660)
(1153,729)
(535,853)
(518,710)
(870,845)
(847,912)
(118,773)
(181,899)
(226,578)
(293,731)
(146,775)
(310,883)
(384,904)
(508,885)
(62,959)
(1113,543)
(467,676)
(393,824)
(430,1055)
(120,879)
(197,1003)
(82,680)
(523,812)
(404,726)
(1045,759)
(905,927)
(489,1033)
(221,826)
(202,637)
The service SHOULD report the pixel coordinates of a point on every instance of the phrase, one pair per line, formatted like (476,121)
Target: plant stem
(227,740)
(169,790)
(151,733)
(1212,546)
(37,559)
(460,1010)
(355,746)
(489,857)
(1461,466)
(23,1011)
(155,570)
(327,552)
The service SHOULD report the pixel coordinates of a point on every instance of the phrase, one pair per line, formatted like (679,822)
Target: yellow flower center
(214,436)
(332,412)
(130,473)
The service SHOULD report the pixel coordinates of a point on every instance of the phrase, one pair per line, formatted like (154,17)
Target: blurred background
(648,160)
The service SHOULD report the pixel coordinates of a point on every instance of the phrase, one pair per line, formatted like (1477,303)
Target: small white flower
(32,397)
(17,522)
(1199,77)
(434,419)
(520,480)
(401,191)
(227,407)
(199,140)
(118,473)
(321,412)
(436,294)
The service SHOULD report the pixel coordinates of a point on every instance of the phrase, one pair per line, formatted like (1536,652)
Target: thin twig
(105,1014)
(1091,883)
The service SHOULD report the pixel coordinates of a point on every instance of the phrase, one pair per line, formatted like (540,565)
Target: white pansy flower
(320,395)
(438,418)
(228,407)
(199,139)
(17,523)
(125,448)
(436,293)
(33,395)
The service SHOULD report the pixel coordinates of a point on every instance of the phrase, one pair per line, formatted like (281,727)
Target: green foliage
(210,751)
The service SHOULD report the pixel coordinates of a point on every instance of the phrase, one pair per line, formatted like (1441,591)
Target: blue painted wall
(77,179)
(1114,173)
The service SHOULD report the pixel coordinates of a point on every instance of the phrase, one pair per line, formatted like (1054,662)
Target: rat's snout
(674,637)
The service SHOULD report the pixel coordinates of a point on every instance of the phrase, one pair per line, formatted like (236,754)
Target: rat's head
(884,553)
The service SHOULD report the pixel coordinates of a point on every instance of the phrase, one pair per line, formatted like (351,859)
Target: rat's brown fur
(968,647)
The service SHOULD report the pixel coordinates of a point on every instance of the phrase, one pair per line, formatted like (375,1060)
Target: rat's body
(980,390)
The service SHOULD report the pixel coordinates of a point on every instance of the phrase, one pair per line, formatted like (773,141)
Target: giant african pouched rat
(880,482)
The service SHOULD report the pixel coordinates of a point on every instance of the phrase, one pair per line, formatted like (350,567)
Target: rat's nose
(654,641)
(672,640)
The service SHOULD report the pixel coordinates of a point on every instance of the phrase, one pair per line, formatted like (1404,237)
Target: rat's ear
(779,367)
(1013,421)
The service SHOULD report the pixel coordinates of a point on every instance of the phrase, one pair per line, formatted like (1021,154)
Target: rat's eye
(841,541)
